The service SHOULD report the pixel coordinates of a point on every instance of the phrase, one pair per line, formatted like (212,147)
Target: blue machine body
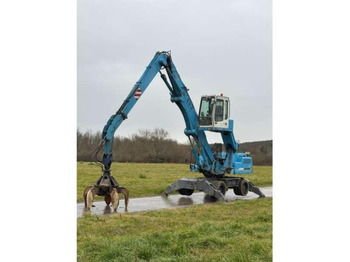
(207,162)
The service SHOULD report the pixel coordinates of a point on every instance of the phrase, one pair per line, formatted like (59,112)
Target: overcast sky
(217,47)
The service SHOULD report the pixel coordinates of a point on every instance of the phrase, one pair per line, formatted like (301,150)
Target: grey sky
(217,46)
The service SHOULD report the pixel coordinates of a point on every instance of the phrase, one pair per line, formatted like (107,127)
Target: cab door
(221,111)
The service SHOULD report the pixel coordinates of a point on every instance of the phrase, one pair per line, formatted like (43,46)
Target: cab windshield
(205,111)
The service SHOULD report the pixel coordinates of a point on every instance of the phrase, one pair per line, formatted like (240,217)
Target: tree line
(146,146)
(155,146)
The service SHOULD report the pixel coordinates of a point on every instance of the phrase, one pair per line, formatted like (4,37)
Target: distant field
(223,231)
(152,179)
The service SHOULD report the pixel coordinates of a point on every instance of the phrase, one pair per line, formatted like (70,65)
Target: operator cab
(214,111)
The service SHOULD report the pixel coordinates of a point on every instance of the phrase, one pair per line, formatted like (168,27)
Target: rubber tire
(222,188)
(220,185)
(185,191)
(242,189)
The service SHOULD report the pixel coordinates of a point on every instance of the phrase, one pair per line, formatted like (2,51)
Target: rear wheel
(242,189)
(185,191)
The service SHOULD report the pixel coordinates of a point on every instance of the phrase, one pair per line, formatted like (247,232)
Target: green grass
(223,231)
(151,179)
(233,231)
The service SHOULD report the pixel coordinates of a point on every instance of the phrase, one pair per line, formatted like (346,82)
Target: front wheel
(222,188)
(242,189)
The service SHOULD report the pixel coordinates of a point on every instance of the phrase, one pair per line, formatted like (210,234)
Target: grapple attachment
(105,184)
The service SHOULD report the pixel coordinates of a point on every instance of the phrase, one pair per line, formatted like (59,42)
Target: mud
(159,202)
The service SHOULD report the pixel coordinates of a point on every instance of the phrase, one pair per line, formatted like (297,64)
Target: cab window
(219,110)
(205,111)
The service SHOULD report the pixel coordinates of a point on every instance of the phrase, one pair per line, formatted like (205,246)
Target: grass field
(224,231)
(151,179)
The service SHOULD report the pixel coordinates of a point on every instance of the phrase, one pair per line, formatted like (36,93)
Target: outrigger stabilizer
(215,188)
